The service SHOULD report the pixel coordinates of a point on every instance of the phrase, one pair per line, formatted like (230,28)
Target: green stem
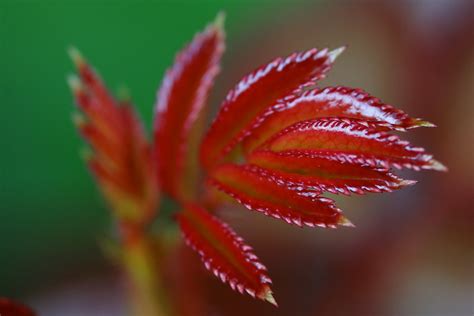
(148,297)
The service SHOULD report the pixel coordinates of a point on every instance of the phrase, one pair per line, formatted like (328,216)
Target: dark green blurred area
(51,215)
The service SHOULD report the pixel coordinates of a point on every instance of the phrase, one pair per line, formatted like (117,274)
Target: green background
(51,215)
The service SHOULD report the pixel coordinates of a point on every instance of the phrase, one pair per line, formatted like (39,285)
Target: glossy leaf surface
(255,93)
(261,192)
(302,170)
(224,253)
(339,102)
(180,103)
(276,146)
(358,141)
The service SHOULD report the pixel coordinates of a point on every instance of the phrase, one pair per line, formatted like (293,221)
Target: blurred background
(412,251)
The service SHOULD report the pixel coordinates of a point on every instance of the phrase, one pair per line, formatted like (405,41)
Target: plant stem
(148,297)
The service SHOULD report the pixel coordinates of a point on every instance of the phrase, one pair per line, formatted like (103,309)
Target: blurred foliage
(51,215)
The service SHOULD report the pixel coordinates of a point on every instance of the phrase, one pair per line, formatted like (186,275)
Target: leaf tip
(436,165)
(76,56)
(86,154)
(344,221)
(423,123)
(268,296)
(78,119)
(123,94)
(405,183)
(74,83)
(220,20)
(332,55)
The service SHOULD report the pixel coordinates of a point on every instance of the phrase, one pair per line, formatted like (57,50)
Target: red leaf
(181,99)
(11,308)
(260,192)
(224,253)
(108,148)
(255,93)
(356,141)
(329,102)
(304,171)
(107,176)
(92,96)
(121,160)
